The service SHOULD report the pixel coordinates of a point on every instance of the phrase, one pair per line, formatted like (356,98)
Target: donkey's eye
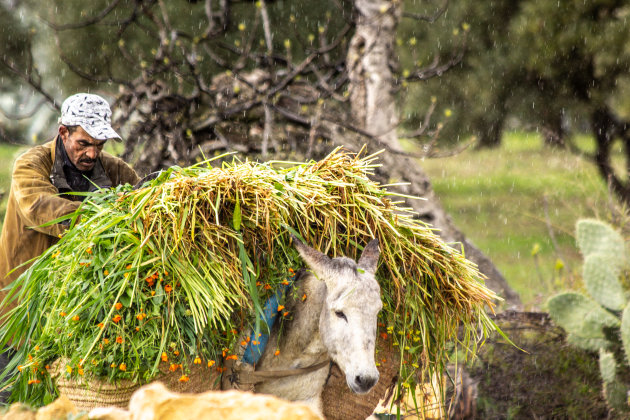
(341,315)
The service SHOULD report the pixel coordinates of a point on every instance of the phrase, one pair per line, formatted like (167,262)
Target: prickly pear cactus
(598,321)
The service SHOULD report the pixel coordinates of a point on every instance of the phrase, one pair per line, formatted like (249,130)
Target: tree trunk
(606,129)
(371,80)
(369,57)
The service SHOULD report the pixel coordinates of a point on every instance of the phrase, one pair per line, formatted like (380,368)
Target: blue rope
(253,352)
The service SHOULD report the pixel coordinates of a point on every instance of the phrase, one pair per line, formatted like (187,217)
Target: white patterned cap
(91,112)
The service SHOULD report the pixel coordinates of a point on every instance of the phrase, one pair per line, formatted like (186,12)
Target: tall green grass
(510,201)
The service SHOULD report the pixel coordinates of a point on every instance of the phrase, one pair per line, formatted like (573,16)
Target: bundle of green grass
(175,271)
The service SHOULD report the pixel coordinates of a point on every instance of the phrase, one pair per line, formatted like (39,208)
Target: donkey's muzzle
(363,383)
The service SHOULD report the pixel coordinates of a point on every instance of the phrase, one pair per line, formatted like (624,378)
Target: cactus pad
(582,318)
(607,366)
(601,277)
(594,236)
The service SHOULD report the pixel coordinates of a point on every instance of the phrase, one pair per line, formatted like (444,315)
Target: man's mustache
(87,161)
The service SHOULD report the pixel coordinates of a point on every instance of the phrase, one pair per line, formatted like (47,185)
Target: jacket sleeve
(118,171)
(37,199)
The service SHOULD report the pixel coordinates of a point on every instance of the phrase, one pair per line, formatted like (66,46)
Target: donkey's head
(347,323)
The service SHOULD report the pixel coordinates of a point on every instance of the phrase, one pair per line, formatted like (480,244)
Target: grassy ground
(510,202)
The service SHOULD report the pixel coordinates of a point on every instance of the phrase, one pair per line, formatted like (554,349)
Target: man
(43,176)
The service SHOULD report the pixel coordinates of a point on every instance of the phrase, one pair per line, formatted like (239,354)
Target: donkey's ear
(369,257)
(315,259)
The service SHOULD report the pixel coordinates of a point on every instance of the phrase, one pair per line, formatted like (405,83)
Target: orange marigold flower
(118,306)
(232,357)
(106,272)
(384,336)
(30,357)
(176,352)
(168,288)
(152,292)
(267,286)
(197,361)
(285,282)
(101,325)
(89,250)
(277,352)
(80,371)
(285,313)
(117,318)
(141,316)
(291,270)
(19,368)
(184,378)
(173,367)
(62,313)
(247,339)
(164,357)
(210,363)
(129,266)
(243,343)
(255,342)
(47,367)
(122,367)
(280,307)
(113,365)
(137,328)
(303,297)
(105,340)
(165,273)
(258,283)
(75,318)
(36,348)
(119,340)
(33,381)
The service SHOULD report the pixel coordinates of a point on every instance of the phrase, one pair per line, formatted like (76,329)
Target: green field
(509,202)
(8,153)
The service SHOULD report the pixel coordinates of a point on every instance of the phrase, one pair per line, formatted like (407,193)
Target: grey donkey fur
(337,321)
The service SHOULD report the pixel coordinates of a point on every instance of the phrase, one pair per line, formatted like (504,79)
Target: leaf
(236,218)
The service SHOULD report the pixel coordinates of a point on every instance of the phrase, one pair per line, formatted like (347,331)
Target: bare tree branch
(85,23)
(430,19)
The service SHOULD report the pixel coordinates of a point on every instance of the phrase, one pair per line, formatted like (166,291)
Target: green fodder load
(173,272)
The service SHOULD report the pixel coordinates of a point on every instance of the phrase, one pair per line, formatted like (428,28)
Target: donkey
(335,308)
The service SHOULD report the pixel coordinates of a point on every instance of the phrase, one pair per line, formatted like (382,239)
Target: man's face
(82,149)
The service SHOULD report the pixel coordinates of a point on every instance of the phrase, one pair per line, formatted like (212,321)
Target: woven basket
(340,403)
(92,393)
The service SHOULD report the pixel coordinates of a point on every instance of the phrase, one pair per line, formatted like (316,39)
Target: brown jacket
(34,201)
